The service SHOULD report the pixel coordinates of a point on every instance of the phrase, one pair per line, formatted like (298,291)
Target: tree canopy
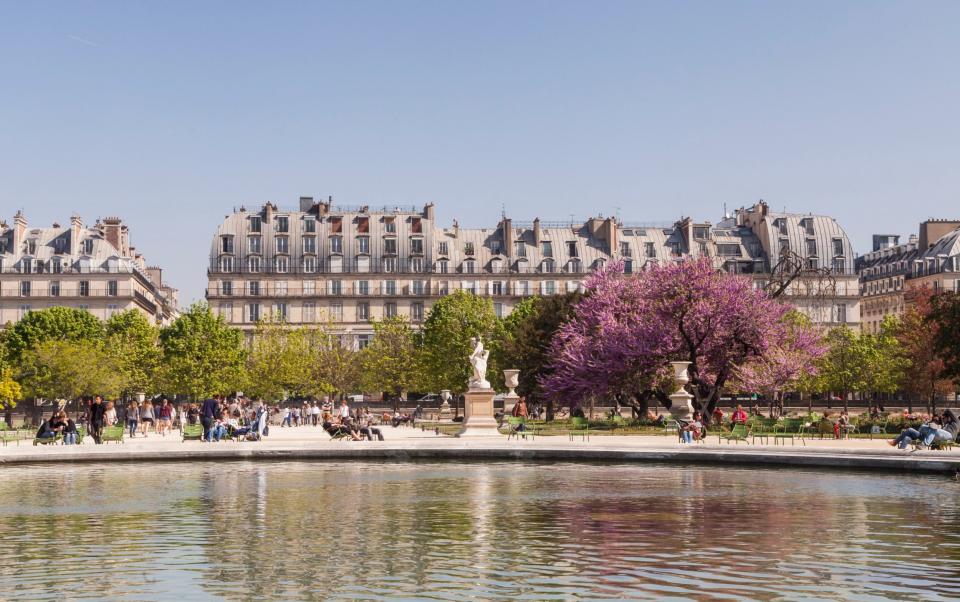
(54,323)
(452,322)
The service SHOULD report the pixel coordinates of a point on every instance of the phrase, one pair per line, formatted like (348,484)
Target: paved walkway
(412,443)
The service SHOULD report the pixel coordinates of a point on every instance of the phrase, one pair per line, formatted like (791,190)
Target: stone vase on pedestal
(512,379)
(680,406)
(445,406)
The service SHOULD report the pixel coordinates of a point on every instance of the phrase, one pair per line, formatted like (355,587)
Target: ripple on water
(444,531)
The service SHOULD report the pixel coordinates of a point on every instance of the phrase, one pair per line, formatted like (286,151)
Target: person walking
(98,413)
(133,417)
(208,415)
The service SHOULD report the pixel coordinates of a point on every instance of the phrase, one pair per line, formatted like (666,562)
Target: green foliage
(57,369)
(871,363)
(527,332)
(202,355)
(134,344)
(945,318)
(452,321)
(391,361)
(51,324)
(10,390)
(280,361)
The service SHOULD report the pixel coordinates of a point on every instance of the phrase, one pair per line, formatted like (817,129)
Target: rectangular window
(807,224)
(389,310)
(390,225)
(498,309)
(226,288)
(255,223)
(56,266)
(468,248)
(336,312)
(309,264)
(841,313)
(363,287)
(416,225)
(649,250)
(443,248)
(784,244)
(363,341)
(54,289)
(418,287)
(280,288)
(572,248)
(363,244)
(363,311)
(226,264)
(546,248)
(625,249)
(226,243)
(25,288)
(336,244)
(811,248)
(309,288)
(88,246)
(282,264)
(838,265)
(84,288)
(416,312)
(837,247)
(390,246)
(112,309)
(254,287)
(416,265)
(363,224)
(628,266)
(523,288)
(390,287)
(550,287)
(520,248)
(253,312)
(283,244)
(469,286)
(309,225)
(781,225)
(496,287)
(253,264)
(495,247)
(416,246)
(389,264)
(701,233)
(60,244)
(309,312)
(112,288)
(283,223)
(309,244)
(226,312)
(253,244)
(728,250)
(813,263)
(336,287)
(280,311)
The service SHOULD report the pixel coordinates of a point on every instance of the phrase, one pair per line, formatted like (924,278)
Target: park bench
(580,427)
(112,433)
(738,433)
(192,432)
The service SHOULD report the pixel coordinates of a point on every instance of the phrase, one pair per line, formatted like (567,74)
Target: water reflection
(309,531)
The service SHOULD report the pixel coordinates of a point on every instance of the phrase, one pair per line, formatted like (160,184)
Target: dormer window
(254,244)
(283,223)
(416,226)
(649,250)
(520,248)
(625,249)
(468,248)
(811,248)
(309,244)
(496,265)
(283,244)
(88,246)
(309,225)
(548,266)
(469,266)
(389,246)
(390,225)
(253,264)
(226,244)
(575,266)
(807,224)
(571,248)
(837,247)
(443,248)
(701,233)
(416,246)
(781,225)
(443,266)
(255,223)
(363,225)
(226,264)
(546,248)
(336,225)
(363,245)
(495,247)
(336,244)
(59,244)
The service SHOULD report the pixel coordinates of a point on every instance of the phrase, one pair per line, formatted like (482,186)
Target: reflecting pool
(446,531)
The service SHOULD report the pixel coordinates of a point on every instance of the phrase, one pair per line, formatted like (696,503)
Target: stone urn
(512,380)
(680,406)
(445,406)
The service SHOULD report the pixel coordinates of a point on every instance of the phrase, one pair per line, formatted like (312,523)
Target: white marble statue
(478,359)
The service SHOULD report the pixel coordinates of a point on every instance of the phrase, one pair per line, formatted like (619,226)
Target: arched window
(548,266)
(496,265)
(575,266)
(443,266)
(470,266)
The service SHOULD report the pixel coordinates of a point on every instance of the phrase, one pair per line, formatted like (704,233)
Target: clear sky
(170,114)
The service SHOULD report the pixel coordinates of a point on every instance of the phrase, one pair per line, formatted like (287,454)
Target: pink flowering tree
(627,329)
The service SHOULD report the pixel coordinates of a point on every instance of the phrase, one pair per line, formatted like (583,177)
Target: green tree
(883,363)
(840,369)
(391,361)
(525,341)
(922,376)
(10,392)
(451,323)
(134,343)
(51,324)
(69,370)
(338,368)
(944,316)
(202,355)
(278,364)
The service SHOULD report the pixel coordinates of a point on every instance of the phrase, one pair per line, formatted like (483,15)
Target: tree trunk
(549,410)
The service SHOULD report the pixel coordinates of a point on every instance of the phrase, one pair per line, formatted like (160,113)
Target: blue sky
(171,114)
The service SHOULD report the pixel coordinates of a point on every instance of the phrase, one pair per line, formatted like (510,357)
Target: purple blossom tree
(627,329)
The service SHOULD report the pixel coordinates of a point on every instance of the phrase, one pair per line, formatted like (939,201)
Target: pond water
(447,531)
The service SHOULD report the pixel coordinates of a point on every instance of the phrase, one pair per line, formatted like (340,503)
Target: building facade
(930,259)
(323,263)
(92,268)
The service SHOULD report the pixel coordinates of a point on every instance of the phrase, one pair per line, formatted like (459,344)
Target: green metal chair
(738,433)
(789,428)
(580,427)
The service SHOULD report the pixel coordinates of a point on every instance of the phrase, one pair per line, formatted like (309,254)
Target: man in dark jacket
(98,410)
(209,412)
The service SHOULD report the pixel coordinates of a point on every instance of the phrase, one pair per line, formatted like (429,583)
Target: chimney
(306,203)
(456,229)
(268,210)
(932,229)
(536,232)
(428,211)
(76,225)
(19,231)
(156,275)
(111,231)
(609,231)
(506,233)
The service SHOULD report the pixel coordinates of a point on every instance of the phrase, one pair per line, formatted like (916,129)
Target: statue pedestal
(478,420)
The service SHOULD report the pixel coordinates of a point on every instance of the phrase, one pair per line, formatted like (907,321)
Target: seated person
(335,429)
(49,429)
(739,416)
(693,430)
(909,435)
(69,429)
(218,431)
(718,416)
